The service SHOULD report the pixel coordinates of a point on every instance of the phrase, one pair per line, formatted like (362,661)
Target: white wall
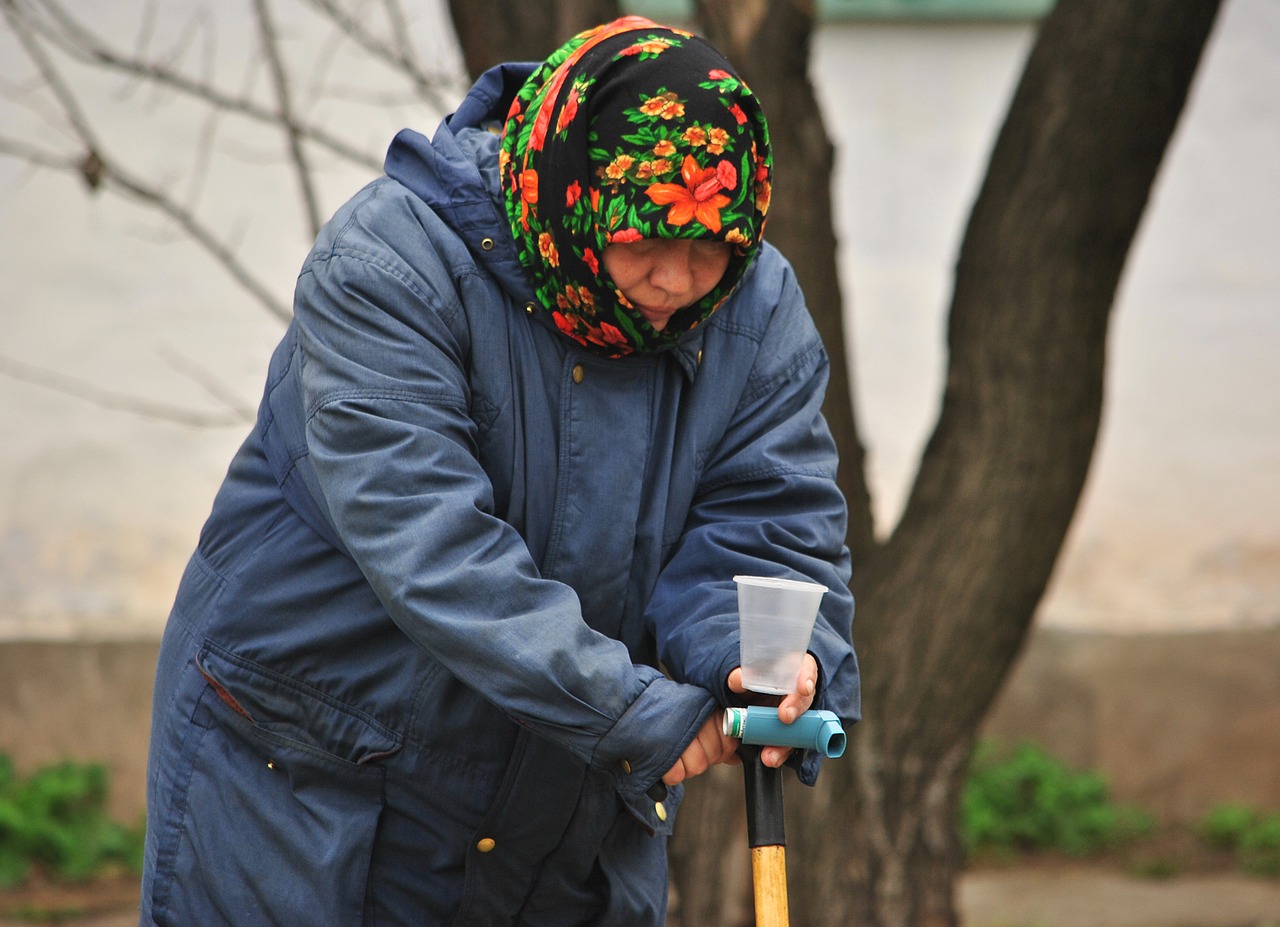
(1181,521)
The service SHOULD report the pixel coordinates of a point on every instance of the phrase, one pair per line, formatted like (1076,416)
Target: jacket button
(660,810)
(626,767)
(486,244)
(530,308)
(486,845)
(578,373)
(699,362)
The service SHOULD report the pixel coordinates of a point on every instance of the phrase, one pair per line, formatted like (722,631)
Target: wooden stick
(769,879)
(767,838)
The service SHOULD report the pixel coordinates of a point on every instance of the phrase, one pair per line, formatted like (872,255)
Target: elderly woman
(463,611)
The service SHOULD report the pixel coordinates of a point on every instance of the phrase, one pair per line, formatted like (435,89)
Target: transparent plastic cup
(775,621)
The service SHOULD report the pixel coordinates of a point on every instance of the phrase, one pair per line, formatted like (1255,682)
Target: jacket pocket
(273,817)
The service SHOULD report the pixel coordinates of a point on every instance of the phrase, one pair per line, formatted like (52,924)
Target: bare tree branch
(191,224)
(38,157)
(400,35)
(70,130)
(395,52)
(79,123)
(99,174)
(284,113)
(98,170)
(207,380)
(79,43)
(117,402)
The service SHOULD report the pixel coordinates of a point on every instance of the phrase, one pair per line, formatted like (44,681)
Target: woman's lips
(656,316)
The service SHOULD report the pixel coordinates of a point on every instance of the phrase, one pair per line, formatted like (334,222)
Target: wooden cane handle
(769,877)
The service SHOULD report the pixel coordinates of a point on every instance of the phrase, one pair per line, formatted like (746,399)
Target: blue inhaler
(813,730)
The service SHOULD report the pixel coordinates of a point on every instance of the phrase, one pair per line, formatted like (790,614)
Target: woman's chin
(657,318)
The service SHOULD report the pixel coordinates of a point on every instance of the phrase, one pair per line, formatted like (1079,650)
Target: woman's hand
(707,749)
(789,708)
(711,746)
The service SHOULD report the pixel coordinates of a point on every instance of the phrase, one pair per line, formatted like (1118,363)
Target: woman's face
(660,275)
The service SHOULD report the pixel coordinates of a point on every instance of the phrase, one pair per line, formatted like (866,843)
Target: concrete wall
(85,701)
(1177,722)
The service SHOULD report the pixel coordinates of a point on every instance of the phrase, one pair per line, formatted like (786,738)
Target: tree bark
(769,43)
(945,603)
(493,31)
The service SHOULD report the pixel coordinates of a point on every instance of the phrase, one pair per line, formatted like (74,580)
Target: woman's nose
(673,271)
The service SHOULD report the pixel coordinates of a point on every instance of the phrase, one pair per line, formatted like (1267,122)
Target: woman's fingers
(774,757)
(735,681)
(800,701)
(710,747)
(790,707)
(793,705)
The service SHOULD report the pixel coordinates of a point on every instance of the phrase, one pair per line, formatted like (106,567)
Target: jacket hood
(455,172)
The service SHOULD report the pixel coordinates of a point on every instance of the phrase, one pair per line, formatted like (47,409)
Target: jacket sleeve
(382,347)
(766,502)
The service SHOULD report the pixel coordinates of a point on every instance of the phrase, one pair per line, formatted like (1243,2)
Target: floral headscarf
(631,130)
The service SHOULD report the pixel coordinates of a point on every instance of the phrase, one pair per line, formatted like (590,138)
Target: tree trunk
(493,31)
(710,863)
(769,42)
(945,603)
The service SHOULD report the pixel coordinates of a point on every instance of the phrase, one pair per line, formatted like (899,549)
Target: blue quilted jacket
(466,592)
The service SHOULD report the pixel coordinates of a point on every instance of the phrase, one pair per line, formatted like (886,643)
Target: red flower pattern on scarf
(700,197)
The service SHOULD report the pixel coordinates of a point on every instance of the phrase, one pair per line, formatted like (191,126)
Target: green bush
(1225,826)
(1252,836)
(57,818)
(1031,801)
(1260,847)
